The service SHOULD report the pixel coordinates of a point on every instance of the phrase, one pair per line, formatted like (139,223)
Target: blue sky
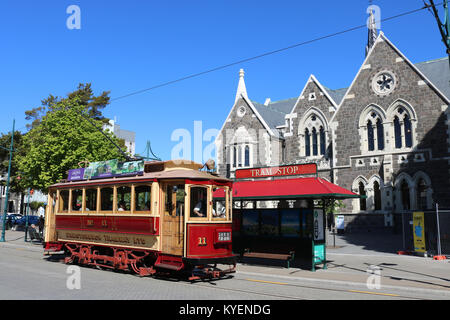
(125,46)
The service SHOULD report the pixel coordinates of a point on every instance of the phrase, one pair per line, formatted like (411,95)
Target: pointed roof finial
(372,26)
(241,90)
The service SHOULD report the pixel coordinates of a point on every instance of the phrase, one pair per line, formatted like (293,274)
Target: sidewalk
(350,261)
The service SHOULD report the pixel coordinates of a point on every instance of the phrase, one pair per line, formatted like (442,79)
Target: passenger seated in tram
(200,207)
(121,206)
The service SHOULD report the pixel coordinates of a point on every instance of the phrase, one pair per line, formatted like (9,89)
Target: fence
(403,223)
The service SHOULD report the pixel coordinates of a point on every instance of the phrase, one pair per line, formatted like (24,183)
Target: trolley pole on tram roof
(7,184)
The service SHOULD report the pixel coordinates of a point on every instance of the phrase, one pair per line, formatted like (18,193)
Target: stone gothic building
(386,136)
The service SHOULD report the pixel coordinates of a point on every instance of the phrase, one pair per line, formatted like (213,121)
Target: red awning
(312,188)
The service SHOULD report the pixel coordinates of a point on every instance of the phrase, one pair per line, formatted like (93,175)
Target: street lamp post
(7,184)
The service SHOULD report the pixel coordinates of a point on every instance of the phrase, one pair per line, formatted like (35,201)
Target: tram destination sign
(107,169)
(279,171)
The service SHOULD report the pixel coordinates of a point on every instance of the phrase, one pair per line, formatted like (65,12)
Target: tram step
(169,266)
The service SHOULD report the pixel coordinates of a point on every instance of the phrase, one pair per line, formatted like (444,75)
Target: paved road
(26,274)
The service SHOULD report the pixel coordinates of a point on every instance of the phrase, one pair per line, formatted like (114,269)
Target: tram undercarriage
(145,262)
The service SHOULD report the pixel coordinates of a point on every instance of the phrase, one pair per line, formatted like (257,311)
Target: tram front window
(219,210)
(198,202)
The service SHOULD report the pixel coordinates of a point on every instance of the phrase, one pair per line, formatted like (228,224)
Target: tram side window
(77,198)
(64,201)
(219,210)
(198,202)
(123,198)
(91,200)
(106,199)
(142,198)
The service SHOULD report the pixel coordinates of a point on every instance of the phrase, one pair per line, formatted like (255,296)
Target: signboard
(107,169)
(319,253)
(419,231)
(339,222)
(76,174)
(279,171)
(318,225)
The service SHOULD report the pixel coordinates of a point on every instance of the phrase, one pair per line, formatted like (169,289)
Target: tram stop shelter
(281,210)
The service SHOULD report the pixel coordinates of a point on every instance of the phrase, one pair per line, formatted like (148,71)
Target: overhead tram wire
(267,54)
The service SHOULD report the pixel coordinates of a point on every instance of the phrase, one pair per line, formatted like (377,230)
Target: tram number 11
(202,241)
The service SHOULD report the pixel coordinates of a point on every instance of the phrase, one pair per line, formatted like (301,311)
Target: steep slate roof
(437,71)
(272,116)
(337,95)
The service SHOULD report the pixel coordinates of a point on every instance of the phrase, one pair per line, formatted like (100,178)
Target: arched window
(408,131)
(397,133)
(234,156)
(247,156)
(377,195)
(370,137)
(403,119)
(380,134)
(312,132)
(421,194)
(307,143)
(239,156)
(362,201)
(314,141)
(322,141)
(404,189)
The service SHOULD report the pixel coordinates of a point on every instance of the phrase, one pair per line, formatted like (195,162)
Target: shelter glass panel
(290,223)
(250,222)
(269,222)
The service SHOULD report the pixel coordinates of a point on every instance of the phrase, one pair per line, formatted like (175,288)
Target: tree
(16,184)
(86,98)
(61,138)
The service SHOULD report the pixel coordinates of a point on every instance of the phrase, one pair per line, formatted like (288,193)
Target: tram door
(173,218)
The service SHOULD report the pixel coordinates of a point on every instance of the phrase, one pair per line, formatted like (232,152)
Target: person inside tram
(200,207)
(121,206)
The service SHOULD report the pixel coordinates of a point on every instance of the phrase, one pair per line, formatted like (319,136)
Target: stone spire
(373,34)
(241,90)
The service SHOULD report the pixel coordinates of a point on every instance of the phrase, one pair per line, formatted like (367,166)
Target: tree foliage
(60,138)
(15,182)
(93,104)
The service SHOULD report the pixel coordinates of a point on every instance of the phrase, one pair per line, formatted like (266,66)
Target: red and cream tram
(163,220)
